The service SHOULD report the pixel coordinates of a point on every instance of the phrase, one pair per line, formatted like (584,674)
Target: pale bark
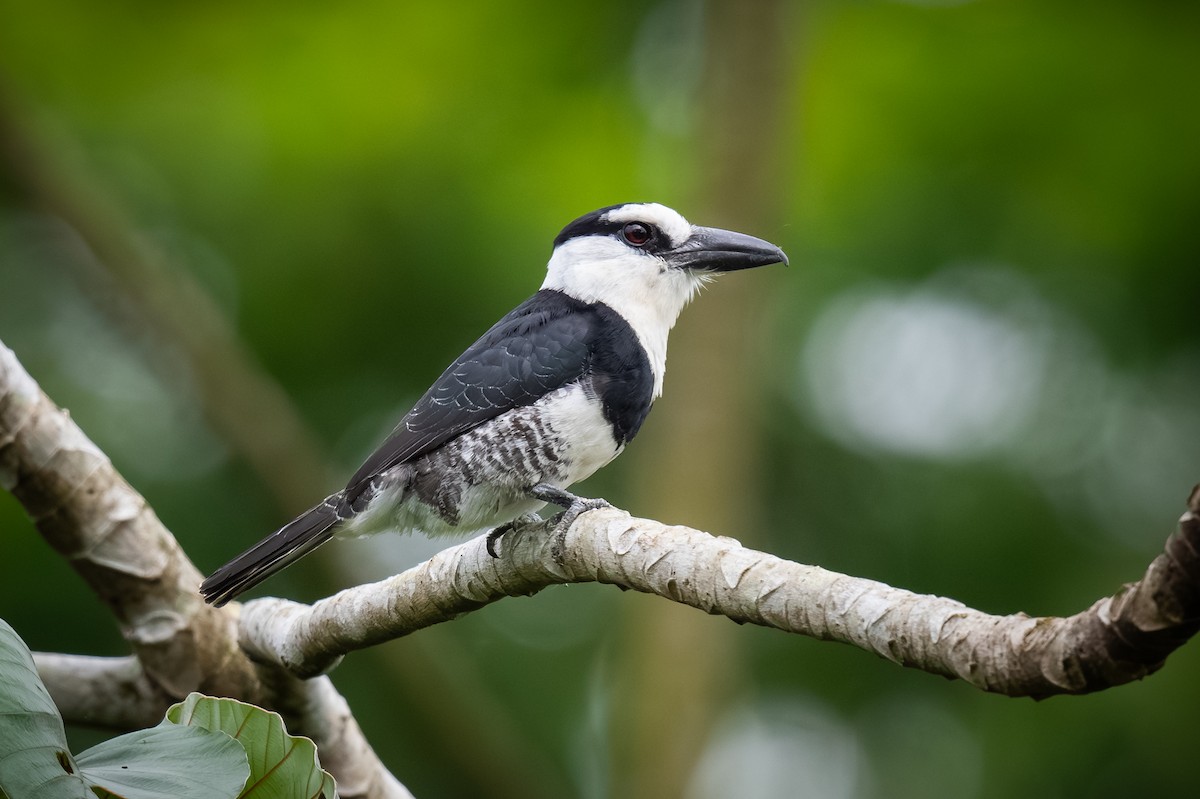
(107,692)
(316,709)
(1118,639)
(111,537)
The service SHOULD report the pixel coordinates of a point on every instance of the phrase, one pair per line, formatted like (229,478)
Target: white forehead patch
(665,219)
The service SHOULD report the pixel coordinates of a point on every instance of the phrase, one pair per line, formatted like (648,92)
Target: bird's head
(646,257)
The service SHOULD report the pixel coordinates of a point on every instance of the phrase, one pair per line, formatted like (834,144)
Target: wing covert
(540,346)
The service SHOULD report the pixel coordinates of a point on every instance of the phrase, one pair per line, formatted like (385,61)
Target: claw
(494,536)
(573,506)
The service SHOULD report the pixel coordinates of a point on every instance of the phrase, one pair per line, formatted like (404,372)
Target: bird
(554,391)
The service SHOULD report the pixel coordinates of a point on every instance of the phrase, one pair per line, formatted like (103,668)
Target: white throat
(638,286)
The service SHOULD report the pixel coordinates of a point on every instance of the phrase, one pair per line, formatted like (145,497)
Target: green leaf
(174,761)
(282,766)
(34,760)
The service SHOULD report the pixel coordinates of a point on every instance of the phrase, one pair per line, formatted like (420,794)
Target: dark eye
(636,234)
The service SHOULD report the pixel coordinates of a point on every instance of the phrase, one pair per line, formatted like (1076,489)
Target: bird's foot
(494,536)
(572,506)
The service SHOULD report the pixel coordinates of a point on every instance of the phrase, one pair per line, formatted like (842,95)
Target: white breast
(647,293)
(586,436)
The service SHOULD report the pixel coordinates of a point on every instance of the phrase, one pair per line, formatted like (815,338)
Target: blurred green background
(238,240)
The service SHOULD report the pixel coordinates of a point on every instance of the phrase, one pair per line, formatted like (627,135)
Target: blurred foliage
(980,371)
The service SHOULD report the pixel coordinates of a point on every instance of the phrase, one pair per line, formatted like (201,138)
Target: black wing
(540,346)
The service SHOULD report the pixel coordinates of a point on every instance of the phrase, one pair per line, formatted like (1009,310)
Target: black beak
(711,249)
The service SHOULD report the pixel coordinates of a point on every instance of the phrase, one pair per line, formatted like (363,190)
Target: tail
(280,549)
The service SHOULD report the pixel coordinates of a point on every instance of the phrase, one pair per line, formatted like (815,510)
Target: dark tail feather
(282,548)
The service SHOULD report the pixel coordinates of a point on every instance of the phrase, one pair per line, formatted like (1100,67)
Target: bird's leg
(544,492)
(572,506)
(494,535)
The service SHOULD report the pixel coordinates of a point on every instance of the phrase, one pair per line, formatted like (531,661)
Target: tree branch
(315,709)
(101,691)
(105,529)
(113,540)
(1119,639)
